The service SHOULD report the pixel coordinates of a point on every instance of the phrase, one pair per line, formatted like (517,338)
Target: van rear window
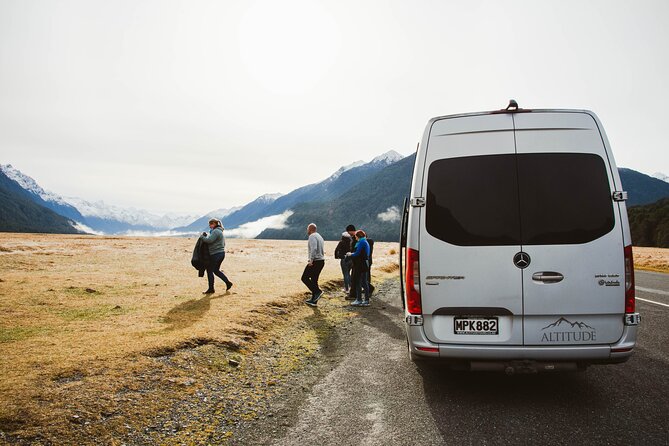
(565,198)
(526,199)
(473,200)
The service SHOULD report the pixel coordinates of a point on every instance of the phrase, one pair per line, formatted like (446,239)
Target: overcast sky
(190,106)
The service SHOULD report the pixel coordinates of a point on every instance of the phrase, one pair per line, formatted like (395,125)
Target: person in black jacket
(346,244)
(200,259)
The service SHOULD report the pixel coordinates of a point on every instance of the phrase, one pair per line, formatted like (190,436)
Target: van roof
(520,110)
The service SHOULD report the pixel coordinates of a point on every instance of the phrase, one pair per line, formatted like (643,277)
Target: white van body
(519,226)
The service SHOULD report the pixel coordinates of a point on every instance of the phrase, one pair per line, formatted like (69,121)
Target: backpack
(342,248)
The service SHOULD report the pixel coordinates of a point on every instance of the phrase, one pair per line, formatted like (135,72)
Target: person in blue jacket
(359,278)
(216,243)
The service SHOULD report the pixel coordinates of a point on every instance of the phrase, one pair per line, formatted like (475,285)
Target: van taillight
(413,283)
(629,280)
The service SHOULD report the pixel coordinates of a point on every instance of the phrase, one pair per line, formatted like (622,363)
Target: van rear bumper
(605,354)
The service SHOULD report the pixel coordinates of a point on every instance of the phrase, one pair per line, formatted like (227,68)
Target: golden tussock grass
(651,259)
(82,318)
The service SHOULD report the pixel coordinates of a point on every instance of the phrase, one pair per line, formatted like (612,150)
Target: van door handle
(547,277)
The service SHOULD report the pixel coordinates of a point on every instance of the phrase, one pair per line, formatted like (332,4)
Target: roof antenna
(513,105)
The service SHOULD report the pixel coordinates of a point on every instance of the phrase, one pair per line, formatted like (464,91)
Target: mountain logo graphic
(564,321)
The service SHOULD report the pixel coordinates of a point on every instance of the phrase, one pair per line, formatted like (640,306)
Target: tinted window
(473,201)
(565,198)
(531,199)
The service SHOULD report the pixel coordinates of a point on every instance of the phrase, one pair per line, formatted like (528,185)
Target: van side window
(565,198)
(473,201)
(526,199)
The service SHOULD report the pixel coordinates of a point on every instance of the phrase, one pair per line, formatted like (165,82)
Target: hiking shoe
(228,286)
(356,303)
(365,303)
(310,302)
(316,297)
(209,291)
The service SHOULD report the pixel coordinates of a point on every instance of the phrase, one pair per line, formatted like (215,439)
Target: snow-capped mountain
(268,198)
(97,216)
(343,169)
(41,196)
(29,184)
(93,210)
(333,186)
(661,176)
(389,157)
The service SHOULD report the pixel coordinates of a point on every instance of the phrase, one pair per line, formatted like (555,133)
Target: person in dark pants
(369,271)
(346,244)
(315,264)
(216,243)
(360,270)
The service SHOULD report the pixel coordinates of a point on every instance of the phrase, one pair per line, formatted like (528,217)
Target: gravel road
(366,392)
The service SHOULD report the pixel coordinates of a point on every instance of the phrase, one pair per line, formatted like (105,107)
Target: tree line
(650,224)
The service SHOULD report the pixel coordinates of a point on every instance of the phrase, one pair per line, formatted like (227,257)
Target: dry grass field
(652,259)
(90,327)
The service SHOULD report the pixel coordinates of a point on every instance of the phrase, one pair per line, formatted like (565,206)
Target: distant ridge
(268,205)
(20,213)
(368,195)
(372,204)
(642,188)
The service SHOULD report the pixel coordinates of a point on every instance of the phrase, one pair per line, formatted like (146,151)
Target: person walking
(360,268)
(315,264)
(346,244)
(216,243)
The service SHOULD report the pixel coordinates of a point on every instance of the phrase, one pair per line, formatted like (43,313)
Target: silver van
(516,244)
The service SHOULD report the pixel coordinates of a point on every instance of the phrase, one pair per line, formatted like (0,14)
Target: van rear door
(573,287)
(470,288)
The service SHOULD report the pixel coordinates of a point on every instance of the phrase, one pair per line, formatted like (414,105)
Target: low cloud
(253,228)
(392,214)
(83,228)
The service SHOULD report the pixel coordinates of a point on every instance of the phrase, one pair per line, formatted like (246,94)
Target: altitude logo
(564,330)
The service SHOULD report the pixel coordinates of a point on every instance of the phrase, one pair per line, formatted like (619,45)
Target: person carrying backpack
(216,243)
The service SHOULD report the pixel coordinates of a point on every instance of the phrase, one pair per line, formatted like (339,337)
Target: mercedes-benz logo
(522,260)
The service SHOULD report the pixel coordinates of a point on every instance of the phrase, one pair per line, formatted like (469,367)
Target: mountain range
(366,194)
(95,217)
(332,187)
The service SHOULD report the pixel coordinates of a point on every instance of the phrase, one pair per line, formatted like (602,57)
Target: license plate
(476,325)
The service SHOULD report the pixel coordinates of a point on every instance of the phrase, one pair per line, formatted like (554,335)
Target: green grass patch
(90,313)
(11,334)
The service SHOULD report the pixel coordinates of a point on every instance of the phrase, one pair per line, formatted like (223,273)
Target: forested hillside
(650,224)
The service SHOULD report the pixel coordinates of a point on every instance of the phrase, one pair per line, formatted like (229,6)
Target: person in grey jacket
(315,264)
(216,243)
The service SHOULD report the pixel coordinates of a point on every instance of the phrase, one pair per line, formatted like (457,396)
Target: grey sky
(196,105)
